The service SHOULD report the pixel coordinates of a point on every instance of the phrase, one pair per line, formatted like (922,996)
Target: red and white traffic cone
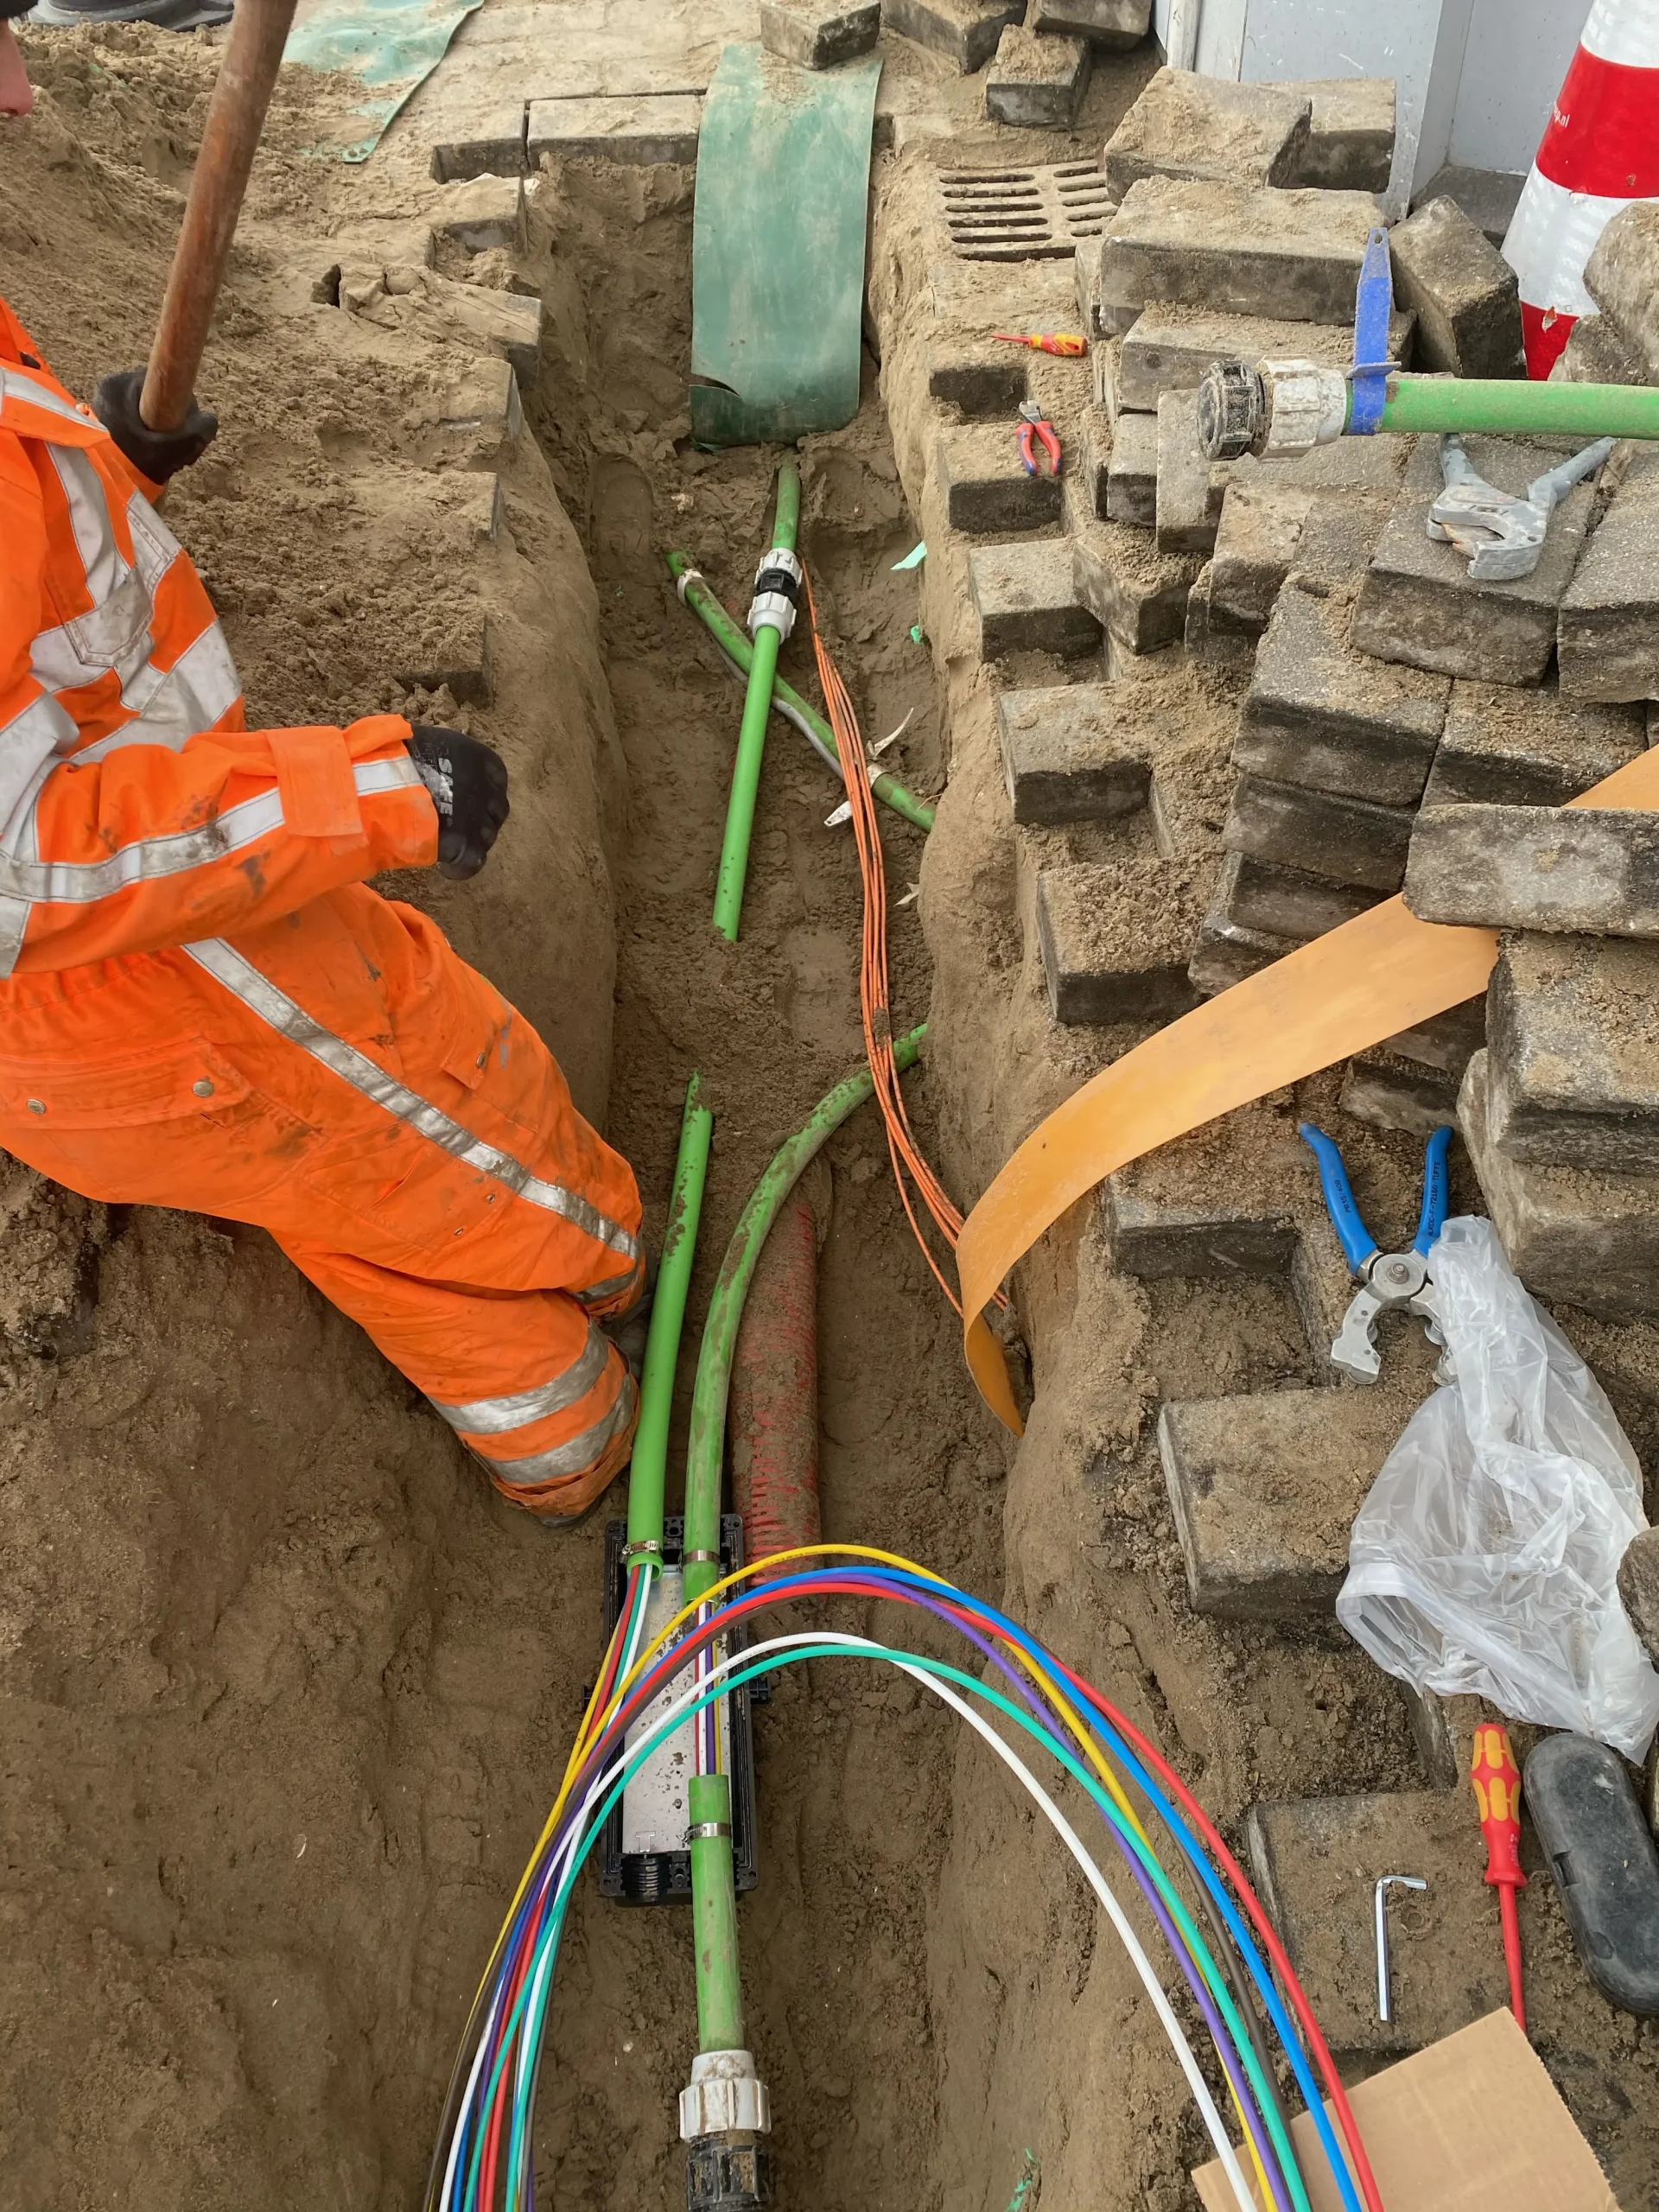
(1600,151)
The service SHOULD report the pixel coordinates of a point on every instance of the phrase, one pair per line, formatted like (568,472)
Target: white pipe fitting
(725,2093)
(1307,406)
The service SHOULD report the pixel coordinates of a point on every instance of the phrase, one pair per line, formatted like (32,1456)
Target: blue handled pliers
(1386,1279)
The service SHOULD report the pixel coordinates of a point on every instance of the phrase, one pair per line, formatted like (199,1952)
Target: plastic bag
(1485,1558)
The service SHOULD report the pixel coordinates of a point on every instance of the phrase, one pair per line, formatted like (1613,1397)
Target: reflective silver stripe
(500,1416)
(597,1293)
(14,385)
(89,517)
(572,1459)
(14,921)
(27,742)
(228,966)
(78,883)
(396,775)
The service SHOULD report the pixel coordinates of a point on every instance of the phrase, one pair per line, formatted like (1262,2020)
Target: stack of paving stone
(1560,1110)
(1243,215)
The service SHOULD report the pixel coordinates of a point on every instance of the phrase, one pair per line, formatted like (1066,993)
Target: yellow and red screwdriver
(1064,342)
(1497,1792)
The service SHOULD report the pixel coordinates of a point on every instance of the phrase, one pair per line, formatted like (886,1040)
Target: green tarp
(778,248)
(392,45)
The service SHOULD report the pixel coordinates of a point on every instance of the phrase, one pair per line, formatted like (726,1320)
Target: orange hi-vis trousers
(202,1005)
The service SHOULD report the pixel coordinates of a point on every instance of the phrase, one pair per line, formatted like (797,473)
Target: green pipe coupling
(777,599)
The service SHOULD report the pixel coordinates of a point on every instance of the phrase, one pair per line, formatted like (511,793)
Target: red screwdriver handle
(1497,1792)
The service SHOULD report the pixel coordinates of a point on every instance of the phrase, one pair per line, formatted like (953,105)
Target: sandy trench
(284,1692)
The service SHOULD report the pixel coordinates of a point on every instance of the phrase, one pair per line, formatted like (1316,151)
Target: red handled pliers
(1035,425)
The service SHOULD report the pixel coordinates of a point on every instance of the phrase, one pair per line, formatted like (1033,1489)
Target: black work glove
(156,453)
(468,784)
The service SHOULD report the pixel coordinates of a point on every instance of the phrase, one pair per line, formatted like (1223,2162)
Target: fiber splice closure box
(1471,2124)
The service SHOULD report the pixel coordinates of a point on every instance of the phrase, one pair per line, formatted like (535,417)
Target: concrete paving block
(1027,601)
(1190,487)
(1571,1234)
(1150,1237)
(1115,937)
(1466,295)
(1596,352)
(1265,1488)
(1638,1588)
(1321,714)
(1607,633)
(1258,537)
(1224,953)
(1222,649)
(1036,83)
(987,380)
(484,139)
(1445,1041)
(985,487)
(1573,1076)
(1137,593)
(964,31)
(1420,606)
(1171,348)
(1391,1094)
(1558,869)
(1345,839)
(1619,279)
(1317,1862)
(1350,134)
(1071,753)
(1237,248)
(1087,479)
(1184,125)
(1504,746)
(818,34)
(1132,471)
(1111,23)
(482,406)
(457,652)
(639,129)
(482,212)
(1285,902)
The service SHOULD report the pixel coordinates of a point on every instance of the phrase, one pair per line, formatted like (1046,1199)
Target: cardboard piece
(1470,2124)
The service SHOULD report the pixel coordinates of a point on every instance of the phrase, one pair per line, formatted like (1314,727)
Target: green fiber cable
(648,1474)
(705,1449)
(1515,407)
(714,1888)
(728,635)
(752,735)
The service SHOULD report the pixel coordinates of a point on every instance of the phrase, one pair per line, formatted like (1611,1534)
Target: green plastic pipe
(714,1888)
(714,1914)
(1516,406)
(648,1475)
(705,1449)
(752,735)
(728,635)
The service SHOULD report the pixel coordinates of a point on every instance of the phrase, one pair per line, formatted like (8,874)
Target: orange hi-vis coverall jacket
(203,1004)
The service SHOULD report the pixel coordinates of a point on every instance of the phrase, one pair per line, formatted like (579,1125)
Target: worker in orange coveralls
(203,1004)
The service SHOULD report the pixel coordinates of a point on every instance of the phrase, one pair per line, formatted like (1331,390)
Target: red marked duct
(774,1411)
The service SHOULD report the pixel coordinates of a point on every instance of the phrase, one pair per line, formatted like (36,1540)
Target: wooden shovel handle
(246,76)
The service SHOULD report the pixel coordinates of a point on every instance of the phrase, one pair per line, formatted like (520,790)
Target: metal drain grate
(1034,214)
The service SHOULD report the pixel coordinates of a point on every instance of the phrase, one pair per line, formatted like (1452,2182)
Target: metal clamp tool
(1380,1912)
(1387,1279)
(1500,534)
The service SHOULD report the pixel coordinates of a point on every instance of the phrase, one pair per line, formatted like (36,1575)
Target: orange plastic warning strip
(1340,994)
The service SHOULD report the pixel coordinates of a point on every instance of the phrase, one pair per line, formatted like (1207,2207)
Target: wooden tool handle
(252,56)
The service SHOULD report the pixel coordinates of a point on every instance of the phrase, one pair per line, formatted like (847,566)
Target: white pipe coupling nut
(1307,406)
(777,592)
(724,2095)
